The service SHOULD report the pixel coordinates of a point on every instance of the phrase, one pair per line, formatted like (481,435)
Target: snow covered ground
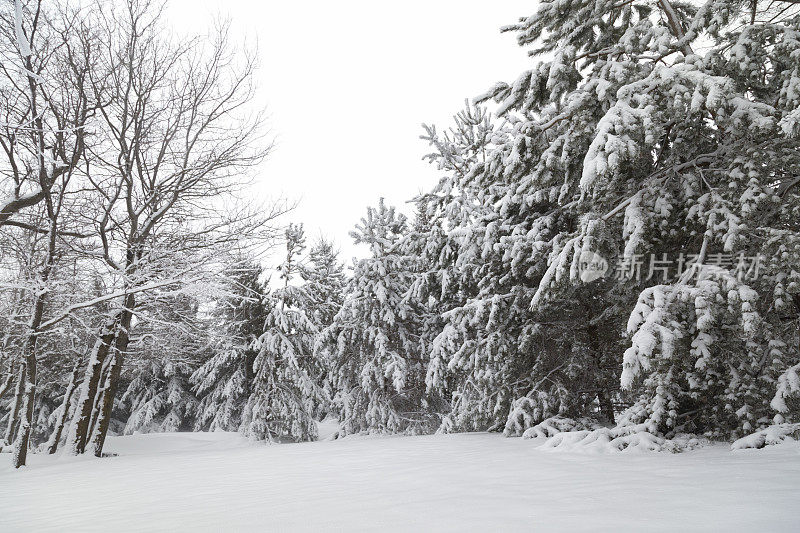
(475,482)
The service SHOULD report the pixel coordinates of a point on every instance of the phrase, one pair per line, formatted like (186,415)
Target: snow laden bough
(680,345)
(584,434)
(775,434)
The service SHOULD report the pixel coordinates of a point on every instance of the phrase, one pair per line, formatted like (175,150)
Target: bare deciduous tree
(179,136)
(43,145)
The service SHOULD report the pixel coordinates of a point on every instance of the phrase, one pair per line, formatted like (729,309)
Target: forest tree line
(611,252)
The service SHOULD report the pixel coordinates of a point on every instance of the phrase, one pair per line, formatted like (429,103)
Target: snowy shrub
(788,386)
(584,434)
(606,440)
(284,391)
(693,349)
(554,425)
(529,411)
(769,436)
(617,439)
(223,385)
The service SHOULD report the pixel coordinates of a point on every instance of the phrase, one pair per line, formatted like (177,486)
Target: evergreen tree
(284,391)
(626,141)
(224,382)
(377,369)
(168,345)
(324,284)
(484,264)
(159,398)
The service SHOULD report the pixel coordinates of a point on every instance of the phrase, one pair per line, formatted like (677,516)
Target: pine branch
(675,26)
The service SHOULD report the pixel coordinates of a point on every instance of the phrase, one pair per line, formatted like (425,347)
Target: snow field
(463,482)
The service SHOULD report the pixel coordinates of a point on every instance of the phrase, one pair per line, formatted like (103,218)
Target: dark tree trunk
(796,300)
(606,407)
(78,435)
(26,424)
(112,380)
(603,395)
(29,398)
(6,386)
(52,446)
(13,417)
(98,400)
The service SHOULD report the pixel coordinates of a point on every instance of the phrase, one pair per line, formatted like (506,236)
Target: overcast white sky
(347,85)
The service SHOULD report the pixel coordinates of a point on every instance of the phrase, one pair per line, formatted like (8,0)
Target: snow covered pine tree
(324,284)
(487,253)
(284,392)
(223,383)
(377,370)
(628,141)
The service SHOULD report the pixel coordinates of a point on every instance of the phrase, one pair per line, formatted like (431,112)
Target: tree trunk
(13,417)
(606,407)
(52,445)
(26,424)
(6,386)
(98,401)
(105,406)
(796,300)
(78,433)
(100,392)
(603,396)
(46,181)
(112,380)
